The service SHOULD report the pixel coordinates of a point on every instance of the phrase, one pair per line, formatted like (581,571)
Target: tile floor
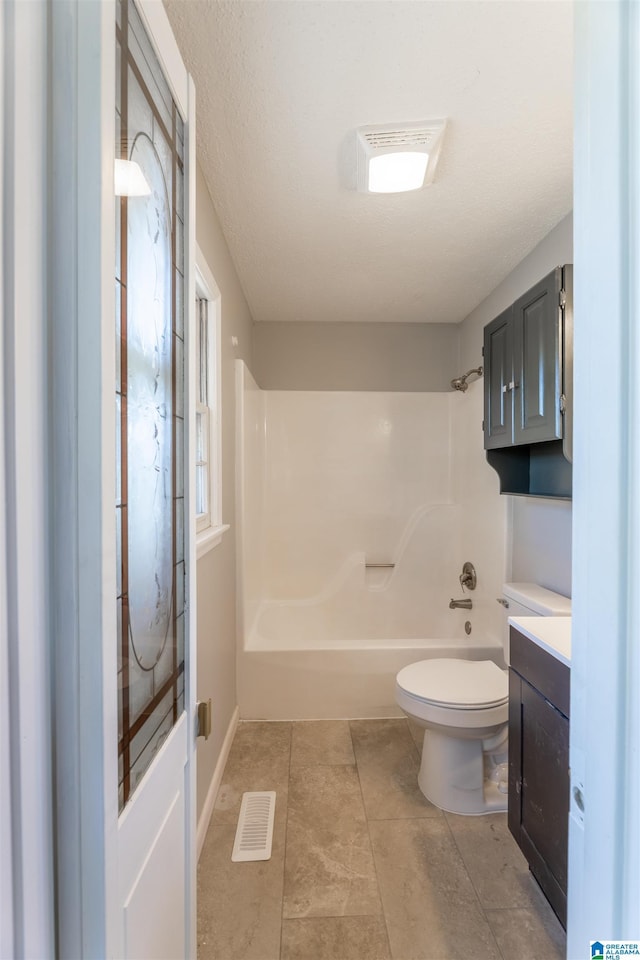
(362,866)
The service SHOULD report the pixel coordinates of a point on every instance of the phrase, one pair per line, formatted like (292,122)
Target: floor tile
(329,869)
(321,741)
(335,938)
(239,904)
(253,740)
(258,760)
(431,909)
(525,935)
(435,873)
(497,868)
(388,765)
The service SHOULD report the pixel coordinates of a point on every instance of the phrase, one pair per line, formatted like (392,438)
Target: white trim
(207,289)
(7,939)
(190,519)
(25,579)
(216,780)
(205,281)
(209,539)
(164,43)
(604,877)
(82,453)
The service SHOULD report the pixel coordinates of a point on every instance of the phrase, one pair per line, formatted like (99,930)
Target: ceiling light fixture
(129,180)
(396,158)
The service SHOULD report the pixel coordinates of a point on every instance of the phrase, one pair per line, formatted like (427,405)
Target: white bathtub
(330,682)
(350,543)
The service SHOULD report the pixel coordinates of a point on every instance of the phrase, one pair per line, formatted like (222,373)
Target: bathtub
(350,540)
(332,681)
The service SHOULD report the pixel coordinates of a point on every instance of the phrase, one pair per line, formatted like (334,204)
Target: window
(209,527)
(203,416)
(149,333)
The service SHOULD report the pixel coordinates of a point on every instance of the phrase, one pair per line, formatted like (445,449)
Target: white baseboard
(216,779)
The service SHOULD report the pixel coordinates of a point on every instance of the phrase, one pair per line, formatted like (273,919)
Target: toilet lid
(462,684)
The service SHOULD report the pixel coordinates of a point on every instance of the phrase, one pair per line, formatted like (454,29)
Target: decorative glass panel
(150,407)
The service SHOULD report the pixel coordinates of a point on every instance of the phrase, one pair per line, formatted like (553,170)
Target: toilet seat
(455,684)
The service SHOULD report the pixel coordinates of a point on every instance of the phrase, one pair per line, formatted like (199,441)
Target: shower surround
(349,545)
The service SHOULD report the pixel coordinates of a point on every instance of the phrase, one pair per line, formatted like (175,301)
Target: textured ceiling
(282,85)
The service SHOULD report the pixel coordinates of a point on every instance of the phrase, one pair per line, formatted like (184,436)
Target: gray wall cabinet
(527,358)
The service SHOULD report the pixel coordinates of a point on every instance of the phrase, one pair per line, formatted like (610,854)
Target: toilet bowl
(463,706)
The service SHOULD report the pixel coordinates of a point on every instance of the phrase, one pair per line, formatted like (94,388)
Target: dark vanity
(539,763)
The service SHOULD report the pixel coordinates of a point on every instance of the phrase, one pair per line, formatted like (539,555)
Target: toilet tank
(530,600)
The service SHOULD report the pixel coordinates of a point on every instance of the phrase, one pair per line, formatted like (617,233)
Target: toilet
(463,706)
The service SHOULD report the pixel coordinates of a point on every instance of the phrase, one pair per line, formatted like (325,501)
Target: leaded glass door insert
(150,405)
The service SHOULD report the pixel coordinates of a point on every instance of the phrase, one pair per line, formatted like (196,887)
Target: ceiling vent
(396,158)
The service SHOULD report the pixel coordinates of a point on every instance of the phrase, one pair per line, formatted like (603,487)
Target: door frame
(604,837)
(27,838)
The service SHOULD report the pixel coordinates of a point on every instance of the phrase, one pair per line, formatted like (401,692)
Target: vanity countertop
(553,634)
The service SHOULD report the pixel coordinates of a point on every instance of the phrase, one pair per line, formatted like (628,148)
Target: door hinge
(203,716)
(563,298)
(185,588)
(483,424)
(563,404)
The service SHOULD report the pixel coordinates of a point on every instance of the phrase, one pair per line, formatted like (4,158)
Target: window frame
(209,525)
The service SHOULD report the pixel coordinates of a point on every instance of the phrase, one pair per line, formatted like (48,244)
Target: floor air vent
(255,827)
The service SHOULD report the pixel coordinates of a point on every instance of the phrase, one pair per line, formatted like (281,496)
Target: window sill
(207,539)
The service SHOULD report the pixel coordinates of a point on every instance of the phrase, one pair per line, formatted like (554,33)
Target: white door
(123,118)
(154,738)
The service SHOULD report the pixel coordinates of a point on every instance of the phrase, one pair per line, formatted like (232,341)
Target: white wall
(346,478)
(539,530)
(216,570)
(483,512)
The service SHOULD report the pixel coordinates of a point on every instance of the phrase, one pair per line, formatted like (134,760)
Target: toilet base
(452,776)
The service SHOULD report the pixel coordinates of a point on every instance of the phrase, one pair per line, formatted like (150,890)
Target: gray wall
(540,541)
(216,615)
(355,356)
(539,531)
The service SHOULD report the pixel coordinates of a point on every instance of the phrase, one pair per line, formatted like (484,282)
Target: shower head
(460,383)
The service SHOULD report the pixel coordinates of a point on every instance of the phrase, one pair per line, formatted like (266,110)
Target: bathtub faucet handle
(468,576)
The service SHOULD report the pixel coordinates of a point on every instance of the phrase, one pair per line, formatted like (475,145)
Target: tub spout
(464,604)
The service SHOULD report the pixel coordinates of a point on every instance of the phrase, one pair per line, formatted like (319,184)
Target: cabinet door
(498,377)
(537,347)
(539,787)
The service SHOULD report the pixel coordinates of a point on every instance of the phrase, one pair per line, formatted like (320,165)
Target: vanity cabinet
(528,389)
(539,764)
